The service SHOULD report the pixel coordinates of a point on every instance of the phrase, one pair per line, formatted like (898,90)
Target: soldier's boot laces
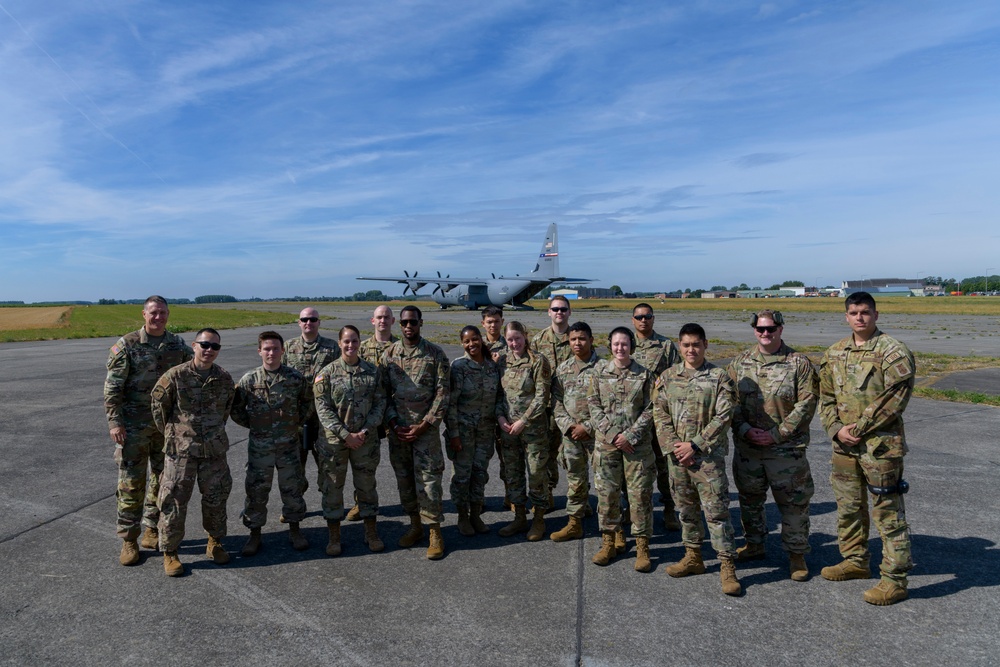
(518,525)
(436,549)
(216,551)
(797,568)
(150,539)
(607,552)
(845,570)
(727,575)
(172,564)
(537,530)
(374,542)
(621,544)
(414,534)
(464,524)
(130,553)
(354,514)
(295,536)
(886,593)
(476,519)
(690,564)
(253,544)
(333,544)
(751,551)
(572,531)
(642,563)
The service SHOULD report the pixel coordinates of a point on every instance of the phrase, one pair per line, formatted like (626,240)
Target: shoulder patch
(319,378)
(115,349)
(893,357)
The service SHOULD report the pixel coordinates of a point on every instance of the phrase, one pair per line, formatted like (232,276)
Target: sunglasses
(409,323)
(205,345)
(308,319)
(766,329)
(642,317)
(559,309)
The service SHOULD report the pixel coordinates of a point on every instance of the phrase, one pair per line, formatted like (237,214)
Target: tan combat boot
(797,568)
(846,569)
(607,552)
(476,519)
(253,544)
(216,551)
(464,525)
(130,553)
(642,563)
(333,544)
(172,565)
(295,536)
(150,539)
(414,534)
(751,551)
(436,549)
(354,514)
(537,530)
(690,564)
(572,531)
(518,525)
(374,542)
(621,544)
(727,574)
(886,593)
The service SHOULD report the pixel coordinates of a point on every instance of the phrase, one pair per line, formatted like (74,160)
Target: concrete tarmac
(491,601)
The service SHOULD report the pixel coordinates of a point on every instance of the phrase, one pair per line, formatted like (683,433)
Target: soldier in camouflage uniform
(866,381)
(271,401)
(417,376)
(776,392)
(552,342)
(521,413)
(656,353)
(620,410)
(496,346)
(572,414)
(693,406)
(135,363)
(307,354)
(350,402)
(190,406)
(471,429)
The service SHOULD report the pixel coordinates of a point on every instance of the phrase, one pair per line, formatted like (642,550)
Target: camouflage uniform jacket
(475,389)
(569,393)
(134,366)
(527,387)
(554,347)
(417,383)
(870,385)
(372,350)
(694,406)
(777,393)
(310,358)
(497,347)
(656,353)
(272,405)
(350,398)
(191,411)
(619,401)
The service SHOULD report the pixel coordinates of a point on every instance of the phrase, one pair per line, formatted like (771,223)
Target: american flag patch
(114,349)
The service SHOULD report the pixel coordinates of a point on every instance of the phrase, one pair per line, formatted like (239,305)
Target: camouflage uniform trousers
(703,486)
(471,466)
(616,472)
(309,436)
(419,469)
(575,456)
(849,479)
(662,477)
(176,487)
(786,472)
(140,465)
(263,457)
(334,457)
(528,453)
(498,441)
(555,442)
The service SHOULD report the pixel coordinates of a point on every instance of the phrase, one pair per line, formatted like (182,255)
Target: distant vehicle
(510,291)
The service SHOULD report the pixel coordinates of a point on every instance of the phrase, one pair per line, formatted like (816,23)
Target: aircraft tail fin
(547,265)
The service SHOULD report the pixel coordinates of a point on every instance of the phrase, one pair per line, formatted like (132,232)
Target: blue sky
(280,148)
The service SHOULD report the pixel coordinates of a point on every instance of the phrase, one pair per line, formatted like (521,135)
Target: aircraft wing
(428,281)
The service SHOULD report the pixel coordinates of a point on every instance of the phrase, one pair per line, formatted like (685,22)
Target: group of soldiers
(655,413)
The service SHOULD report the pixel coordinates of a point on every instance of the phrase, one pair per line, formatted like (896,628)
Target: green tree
(616,290)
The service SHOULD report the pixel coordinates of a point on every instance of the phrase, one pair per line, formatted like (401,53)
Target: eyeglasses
(308,319)
(409,323)
(642,317)
(559,309)
(766,329)
(205,345)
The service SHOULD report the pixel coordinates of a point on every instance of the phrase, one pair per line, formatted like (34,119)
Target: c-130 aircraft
(475,293)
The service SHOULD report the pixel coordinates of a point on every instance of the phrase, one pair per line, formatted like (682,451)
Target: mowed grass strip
(45,317)
(100,321)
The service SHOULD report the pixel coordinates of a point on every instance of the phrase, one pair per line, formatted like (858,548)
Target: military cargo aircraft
(509,291)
